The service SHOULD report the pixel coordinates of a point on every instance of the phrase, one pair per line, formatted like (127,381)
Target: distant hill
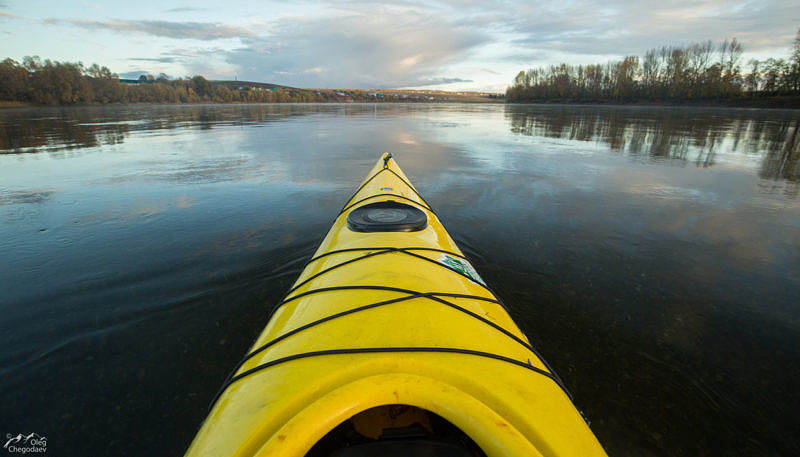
(233,85)
(367,95)
(350,94)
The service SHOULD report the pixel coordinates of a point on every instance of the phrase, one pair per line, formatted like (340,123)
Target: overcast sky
(450,45)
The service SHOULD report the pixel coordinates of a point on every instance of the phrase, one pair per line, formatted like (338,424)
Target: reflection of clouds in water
(669,252)
(741,241)
(146,209)
(673,193)
(25,205)
(189,172)
(712,214)
(720,211)
(184,202)
(213,171)
(406,138)
(9,198)
(135,210)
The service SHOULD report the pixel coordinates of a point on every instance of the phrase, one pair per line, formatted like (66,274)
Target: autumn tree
(14,78)
(626,72)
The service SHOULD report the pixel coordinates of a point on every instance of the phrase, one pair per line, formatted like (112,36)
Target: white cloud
(10,15)
(205,31)
(618,27)
(387,48)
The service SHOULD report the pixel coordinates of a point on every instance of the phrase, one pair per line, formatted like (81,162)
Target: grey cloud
(436,82)
(181,30)
(618,27)
(153,59)
(12,16)
(362,4)
(183,9)
(133,74)
(375,48)
(193,60)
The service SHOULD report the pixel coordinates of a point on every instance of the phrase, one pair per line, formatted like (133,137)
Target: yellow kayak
(390,344)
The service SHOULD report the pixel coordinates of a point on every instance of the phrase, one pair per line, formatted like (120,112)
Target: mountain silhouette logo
(33,439)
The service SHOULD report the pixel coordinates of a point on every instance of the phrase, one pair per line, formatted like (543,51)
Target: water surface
(650,253)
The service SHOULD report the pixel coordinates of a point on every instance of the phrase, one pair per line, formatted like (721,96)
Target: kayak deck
(391,319)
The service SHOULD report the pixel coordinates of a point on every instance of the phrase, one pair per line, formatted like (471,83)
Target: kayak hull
(392,318)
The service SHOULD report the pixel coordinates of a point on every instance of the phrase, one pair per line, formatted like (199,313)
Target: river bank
(776,102)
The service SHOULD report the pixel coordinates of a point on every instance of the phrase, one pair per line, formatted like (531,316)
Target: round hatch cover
(388,216)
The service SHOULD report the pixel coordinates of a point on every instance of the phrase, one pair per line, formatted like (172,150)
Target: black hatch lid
(387,216)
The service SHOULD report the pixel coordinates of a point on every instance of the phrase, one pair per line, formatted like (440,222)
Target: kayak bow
(390,343)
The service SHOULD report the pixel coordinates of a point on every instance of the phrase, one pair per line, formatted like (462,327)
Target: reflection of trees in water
(782,158)
(674,134)
(55,129)
(31,131)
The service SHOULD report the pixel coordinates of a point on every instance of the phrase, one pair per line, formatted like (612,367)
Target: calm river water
(652,255)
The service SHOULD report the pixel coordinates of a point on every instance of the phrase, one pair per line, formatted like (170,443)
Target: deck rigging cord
(438,297)
(232,377)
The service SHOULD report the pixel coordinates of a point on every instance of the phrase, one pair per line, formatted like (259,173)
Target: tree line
(697,72)
(64,83)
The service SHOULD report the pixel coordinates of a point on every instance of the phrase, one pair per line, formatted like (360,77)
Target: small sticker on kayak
(461,266)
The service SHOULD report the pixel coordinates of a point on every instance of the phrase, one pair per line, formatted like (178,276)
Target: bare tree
(730,54)
(754,78)
(700,55)
(796,62)
(650,69)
